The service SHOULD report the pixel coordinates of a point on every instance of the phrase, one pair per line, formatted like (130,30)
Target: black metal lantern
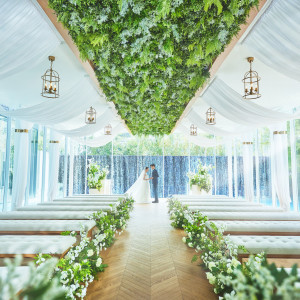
(50,87)
(251,83)
(108,130)
(193,130)
(210,117)
(90,116)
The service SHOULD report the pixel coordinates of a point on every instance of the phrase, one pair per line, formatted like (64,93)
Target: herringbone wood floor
(149,261)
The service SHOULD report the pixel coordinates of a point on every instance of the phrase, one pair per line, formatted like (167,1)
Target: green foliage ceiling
(151,56)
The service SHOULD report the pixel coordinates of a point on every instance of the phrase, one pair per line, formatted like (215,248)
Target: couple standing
(140,190)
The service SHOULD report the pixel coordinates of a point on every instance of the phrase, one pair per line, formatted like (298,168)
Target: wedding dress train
(140,190)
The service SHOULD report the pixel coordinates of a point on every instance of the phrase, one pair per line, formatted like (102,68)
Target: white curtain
(53,165)
(275,39)
(194,118)
(105,118)
(280,170)
(100,140)
(20,171)
(231,105)
(72,103)
(200,140)
(248,168)
(25,38)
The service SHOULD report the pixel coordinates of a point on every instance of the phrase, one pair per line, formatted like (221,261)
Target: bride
(140,190)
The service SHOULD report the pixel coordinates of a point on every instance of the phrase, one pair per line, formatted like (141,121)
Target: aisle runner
(149,261)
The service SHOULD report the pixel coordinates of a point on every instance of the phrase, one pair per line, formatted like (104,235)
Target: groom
(154,182)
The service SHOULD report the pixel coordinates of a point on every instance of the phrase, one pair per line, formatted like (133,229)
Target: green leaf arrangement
(151,56)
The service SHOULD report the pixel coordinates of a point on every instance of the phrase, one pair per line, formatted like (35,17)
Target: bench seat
(45,215)
(235,208)
(30,245)
(273,246)
(258,227)
(44,226)
(63,208)
(84,203)
(264,216)
(222,203)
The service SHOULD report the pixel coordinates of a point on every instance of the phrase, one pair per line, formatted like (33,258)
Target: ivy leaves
(151,56)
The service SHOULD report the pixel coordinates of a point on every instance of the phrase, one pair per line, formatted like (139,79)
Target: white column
(294,165)
(71,170)
(65,180)
(20,163)
(229,164)
(257,167)
(53,165)
(248,170)
(280,172)
(235,171)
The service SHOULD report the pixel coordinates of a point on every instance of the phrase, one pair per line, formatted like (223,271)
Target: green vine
(151,56)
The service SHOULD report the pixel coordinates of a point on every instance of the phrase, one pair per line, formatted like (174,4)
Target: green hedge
(151,56)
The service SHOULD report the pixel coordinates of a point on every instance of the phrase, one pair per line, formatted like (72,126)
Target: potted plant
(201,181)
(96,178)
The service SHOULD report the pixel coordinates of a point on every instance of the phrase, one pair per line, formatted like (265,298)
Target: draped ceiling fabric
(51,112)
(280,170)
(275,38)
(53,165)
(200,140)
(21,146)
(231,105)
(22,26)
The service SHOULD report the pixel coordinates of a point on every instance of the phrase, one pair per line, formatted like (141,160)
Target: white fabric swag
(195,119)
(21,146)
(25,38)
(53,165)
(248,169)
(231,105)
(101,140)
(50,112)
(280,170)
(275,39)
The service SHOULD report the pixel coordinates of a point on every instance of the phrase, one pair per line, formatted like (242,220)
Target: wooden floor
(150,261)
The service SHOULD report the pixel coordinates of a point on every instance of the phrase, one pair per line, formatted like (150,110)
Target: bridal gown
(140,190)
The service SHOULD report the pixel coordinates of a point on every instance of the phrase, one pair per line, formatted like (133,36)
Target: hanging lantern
(193,130)
(50,87)
(251,83)
(108,130)
(90,116)
(210,117)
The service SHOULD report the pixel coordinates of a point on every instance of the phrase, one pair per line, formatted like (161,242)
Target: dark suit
(155,184)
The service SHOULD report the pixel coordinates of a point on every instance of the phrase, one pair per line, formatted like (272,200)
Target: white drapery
(195,119)
(248,169)
(51,112)
(231,105)
(200,140)
(280,170)
(100,140)
(22,22)
(21,146)
(275,39)
(53,165)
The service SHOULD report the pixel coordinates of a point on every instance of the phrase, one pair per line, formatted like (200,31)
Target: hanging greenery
(151,56)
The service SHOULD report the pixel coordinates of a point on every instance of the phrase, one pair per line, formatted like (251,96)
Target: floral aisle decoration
(96,176)
(41,282)
(82,263)
(202,179)
(152,56)
(255,279)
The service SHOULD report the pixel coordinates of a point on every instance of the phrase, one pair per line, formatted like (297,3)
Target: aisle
(149,261)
